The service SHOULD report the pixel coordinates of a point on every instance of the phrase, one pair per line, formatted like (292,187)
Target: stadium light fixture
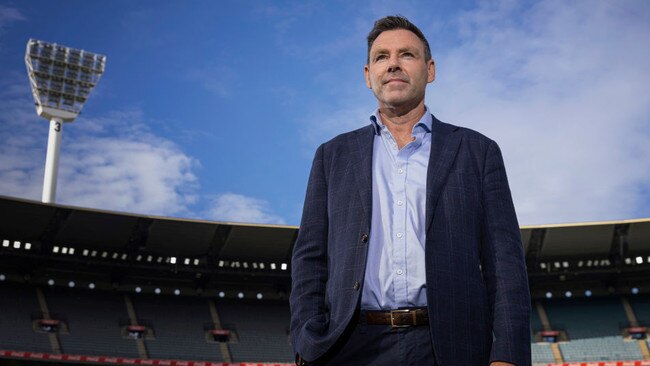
(177,292)
(635,290)
(62,79)
(568,294)
(50,282)
(156,291)
(588,293)
(2,277)
(240,295)
(222,294)
(91,286)
(549,295)
(71,284)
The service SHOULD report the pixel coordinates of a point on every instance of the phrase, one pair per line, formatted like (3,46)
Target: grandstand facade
(91,286)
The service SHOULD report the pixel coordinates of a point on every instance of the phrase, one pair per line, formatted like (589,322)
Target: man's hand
(499,363)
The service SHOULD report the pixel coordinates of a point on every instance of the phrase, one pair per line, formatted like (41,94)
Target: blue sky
(213,109)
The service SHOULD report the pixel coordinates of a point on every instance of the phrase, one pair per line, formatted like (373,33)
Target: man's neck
(400,122)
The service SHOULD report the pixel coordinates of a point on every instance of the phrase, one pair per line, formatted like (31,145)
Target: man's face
(397,71)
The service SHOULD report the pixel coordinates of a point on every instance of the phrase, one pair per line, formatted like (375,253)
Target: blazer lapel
(361,144)
(444,147)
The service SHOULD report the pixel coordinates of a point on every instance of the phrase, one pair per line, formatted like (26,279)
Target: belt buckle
(392,319)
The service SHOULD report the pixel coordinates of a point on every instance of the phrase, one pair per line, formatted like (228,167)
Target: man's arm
(504,266)
(309,264)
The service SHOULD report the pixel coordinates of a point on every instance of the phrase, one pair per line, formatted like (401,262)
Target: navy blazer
(477,286)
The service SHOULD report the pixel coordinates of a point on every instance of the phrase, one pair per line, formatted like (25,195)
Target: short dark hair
(393,22)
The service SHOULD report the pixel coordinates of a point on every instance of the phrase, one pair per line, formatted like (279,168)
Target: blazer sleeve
(309,271)
(504,266)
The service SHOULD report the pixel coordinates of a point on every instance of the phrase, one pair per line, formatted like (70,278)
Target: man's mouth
(395,81)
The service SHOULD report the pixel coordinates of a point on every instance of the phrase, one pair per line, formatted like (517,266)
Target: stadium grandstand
(89,286)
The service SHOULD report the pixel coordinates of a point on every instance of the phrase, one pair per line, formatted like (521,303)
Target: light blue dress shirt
(395,270)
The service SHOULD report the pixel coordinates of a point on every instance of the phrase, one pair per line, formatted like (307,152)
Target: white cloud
(113,162)
(239,208)
(565,90)
(132,174)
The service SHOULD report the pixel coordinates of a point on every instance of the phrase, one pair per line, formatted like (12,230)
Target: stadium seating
(178,324)
(586,317)
(641,306)
(541,353)
(261,329)
(93,319)
(600,349)
(17,304)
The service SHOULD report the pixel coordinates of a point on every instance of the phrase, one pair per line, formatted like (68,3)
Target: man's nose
(393,64)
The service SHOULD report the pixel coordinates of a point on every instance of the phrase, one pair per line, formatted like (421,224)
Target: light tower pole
(61,79)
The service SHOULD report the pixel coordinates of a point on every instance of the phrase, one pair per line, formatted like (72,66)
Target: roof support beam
(619,247)
(57,221)
(535,246)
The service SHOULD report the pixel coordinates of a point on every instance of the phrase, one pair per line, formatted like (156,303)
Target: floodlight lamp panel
(61,78)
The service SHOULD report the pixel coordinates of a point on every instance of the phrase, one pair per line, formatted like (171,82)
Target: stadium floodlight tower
(62,79)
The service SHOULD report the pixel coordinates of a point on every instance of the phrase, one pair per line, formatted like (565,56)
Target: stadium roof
(32,221)
(99,229)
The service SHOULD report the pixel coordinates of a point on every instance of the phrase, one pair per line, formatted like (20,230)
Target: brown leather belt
(397,318)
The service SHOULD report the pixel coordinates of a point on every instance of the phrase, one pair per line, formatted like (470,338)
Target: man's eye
(380,57)
(407,54)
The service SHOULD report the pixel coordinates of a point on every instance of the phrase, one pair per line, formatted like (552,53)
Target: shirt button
(399,235)
(399,271)
(401,171)
(356,286)
(364,238)
(399,203)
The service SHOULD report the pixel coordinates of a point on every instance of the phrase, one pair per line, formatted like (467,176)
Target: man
(409,251)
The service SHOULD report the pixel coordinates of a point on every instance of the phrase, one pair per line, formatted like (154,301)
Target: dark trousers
(380,345)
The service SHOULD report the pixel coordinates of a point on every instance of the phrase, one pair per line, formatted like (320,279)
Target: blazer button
(364,238)
(356,286)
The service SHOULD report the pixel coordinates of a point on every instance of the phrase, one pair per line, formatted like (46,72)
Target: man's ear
(431,71)
(366,73)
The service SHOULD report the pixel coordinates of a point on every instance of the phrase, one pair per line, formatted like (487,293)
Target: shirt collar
(426,122)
